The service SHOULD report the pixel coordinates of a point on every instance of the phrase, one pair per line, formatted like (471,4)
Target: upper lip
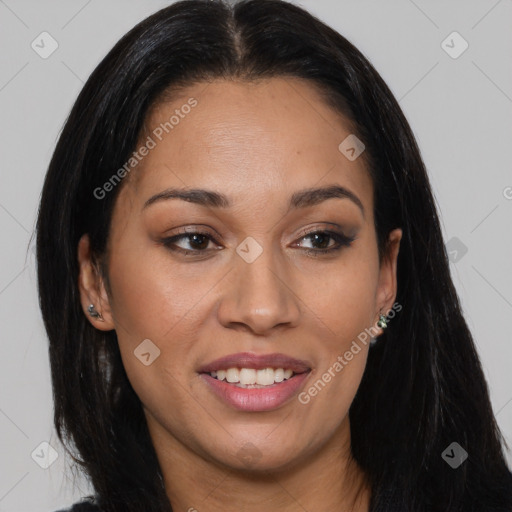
(257,362)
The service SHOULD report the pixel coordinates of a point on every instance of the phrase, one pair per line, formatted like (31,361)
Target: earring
(92,311)
(382,322)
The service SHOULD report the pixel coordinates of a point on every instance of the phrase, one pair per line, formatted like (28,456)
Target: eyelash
(340,239)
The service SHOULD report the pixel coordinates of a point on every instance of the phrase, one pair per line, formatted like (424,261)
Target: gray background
(460,110)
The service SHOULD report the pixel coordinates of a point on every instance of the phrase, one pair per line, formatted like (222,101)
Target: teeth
(232,375)
(279,375)
(265,377)
(249,377)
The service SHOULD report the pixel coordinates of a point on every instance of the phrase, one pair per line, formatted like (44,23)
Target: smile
(255,382)
(249,378)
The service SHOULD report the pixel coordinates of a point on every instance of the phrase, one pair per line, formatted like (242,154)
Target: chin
(264,457)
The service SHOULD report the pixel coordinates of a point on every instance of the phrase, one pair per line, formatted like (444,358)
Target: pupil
(321,236)
(195,237)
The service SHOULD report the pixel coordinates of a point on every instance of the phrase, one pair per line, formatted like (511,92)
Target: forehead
(248,139)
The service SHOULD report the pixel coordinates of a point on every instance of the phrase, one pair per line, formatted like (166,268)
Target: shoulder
(83,506)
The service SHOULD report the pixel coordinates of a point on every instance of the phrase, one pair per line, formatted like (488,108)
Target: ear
(387,287)
(92,288)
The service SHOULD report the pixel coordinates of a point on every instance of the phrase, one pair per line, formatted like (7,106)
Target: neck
(329,479)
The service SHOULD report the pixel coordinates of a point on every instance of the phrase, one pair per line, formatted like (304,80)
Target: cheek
(151,299)
(343,302)
(156,325)
(156,317)
(344,307)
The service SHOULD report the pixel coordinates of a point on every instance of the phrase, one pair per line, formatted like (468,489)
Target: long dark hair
(423,387)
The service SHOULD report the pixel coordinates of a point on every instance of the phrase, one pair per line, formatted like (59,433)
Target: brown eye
(322,238)
(197,242)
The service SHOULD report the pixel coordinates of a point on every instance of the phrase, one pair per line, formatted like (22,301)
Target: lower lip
(256,399)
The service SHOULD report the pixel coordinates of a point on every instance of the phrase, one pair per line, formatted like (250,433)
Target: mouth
(250,378)
(250,382)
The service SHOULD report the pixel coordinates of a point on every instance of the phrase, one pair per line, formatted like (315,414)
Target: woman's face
(263,274)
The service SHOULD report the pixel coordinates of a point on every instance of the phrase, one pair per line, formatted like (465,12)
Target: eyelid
(189,230)
(341,240)
(197,229)
(331,228)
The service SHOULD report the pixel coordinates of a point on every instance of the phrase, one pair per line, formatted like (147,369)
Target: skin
(257,143)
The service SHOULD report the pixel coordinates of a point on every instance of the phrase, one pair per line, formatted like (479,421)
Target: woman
(305,360)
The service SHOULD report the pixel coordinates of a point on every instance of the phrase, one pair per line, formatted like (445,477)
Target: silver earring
(380,323)
(92,311)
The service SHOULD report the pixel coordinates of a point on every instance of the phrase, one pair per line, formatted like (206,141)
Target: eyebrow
(300,199)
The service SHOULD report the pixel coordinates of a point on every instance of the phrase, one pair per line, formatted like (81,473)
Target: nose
(259,296)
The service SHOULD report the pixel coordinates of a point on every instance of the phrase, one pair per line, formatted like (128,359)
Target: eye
(322,238)
(197,241)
